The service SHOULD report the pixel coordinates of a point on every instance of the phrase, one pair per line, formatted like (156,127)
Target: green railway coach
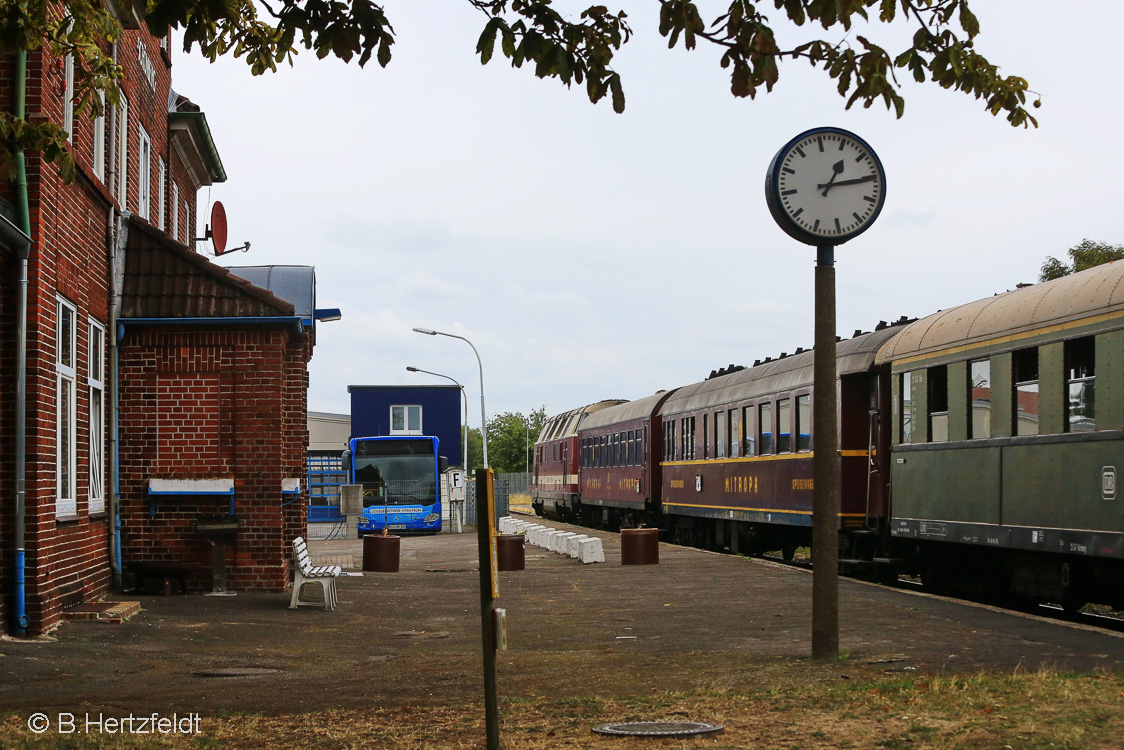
(1007,437)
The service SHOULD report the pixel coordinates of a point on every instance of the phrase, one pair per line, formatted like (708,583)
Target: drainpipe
(23,210)
(119,238)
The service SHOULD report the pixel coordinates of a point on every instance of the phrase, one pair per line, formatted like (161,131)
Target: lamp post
(464,400)
(480,364)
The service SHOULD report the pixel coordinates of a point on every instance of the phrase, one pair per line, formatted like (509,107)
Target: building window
(749,446)
(405,420)
(979,399)
(68,98)
(1026,392)
(784,426)
(122,152)
(175,211)
(765,422)
(99,141)
(905,411)
(96,382)
(160,192)
(1080,414)
(144,175)
(938,404)
(66,451)
(804,423)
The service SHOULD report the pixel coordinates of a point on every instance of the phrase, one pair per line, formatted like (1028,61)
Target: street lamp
(480,364)
(464,396)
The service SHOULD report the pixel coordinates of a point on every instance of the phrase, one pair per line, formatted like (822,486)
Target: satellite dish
(217,230)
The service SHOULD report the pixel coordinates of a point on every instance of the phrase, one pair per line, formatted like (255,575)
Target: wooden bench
(306,572)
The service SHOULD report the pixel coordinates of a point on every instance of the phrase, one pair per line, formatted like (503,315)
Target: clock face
(825,186)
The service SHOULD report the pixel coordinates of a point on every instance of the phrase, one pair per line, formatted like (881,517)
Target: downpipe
(119,237)
(24,218)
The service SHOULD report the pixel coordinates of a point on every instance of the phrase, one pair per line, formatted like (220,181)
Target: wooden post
(485,537)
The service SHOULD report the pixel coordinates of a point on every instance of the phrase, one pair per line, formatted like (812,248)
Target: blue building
(384,410)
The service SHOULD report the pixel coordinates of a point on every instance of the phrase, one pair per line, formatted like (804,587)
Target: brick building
(211,369)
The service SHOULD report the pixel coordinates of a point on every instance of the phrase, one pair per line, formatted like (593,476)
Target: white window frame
(123,152)
(68,98)
(161,174)
(175,211)
(95,380)
(66,408)
(99,144)
(144,174)
(405,410)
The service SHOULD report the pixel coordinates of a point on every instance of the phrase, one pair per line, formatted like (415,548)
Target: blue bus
(401,478)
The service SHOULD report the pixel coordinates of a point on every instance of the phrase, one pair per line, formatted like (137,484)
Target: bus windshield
(396,472)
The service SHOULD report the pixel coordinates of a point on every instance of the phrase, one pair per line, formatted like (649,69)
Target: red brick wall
(207,403)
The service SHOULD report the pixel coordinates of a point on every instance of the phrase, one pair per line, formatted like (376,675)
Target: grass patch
(830,710)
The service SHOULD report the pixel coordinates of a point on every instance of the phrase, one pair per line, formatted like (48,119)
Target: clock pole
(824,186)
(825,466)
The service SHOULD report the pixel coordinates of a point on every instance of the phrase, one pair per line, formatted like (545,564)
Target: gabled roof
(164,279)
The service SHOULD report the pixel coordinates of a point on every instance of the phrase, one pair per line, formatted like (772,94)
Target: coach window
(1079,413)
(938,404)
(1026,392)
(733,434)
(906,409)
(979,399)
(719,436)
(803,423)
(706,438)
(749,425)
(784,426)
(765,422)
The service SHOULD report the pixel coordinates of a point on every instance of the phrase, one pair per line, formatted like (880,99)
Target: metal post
(485,537)
(825,467)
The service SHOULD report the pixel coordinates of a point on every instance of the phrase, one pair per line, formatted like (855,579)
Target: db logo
(1108,483)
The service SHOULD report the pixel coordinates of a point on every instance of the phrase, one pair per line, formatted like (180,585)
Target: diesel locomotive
(978,449)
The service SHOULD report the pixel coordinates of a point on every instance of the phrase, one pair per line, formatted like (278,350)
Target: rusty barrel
(509,552)
(380,553)
(640,546)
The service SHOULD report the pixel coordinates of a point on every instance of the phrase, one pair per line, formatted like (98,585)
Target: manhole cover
(235,672)
(659,729)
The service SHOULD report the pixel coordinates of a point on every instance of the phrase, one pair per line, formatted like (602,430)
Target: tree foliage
(1083,255)
(511,438)
(266,33)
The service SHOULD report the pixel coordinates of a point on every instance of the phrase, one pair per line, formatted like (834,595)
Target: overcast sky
(590,255)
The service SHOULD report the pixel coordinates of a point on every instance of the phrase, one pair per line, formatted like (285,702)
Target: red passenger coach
(554,486)
(620,482)
(738,447)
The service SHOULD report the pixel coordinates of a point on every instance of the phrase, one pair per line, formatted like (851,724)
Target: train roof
(795,371)
(625,412)
(566,423)
(1008,318)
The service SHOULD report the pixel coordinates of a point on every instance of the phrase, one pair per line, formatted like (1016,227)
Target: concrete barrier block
(560,543)
(592,551)
(573,544)
(537,535)
(548,540)
(505,525)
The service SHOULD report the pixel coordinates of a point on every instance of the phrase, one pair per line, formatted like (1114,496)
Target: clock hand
(855,181)
(836,169)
